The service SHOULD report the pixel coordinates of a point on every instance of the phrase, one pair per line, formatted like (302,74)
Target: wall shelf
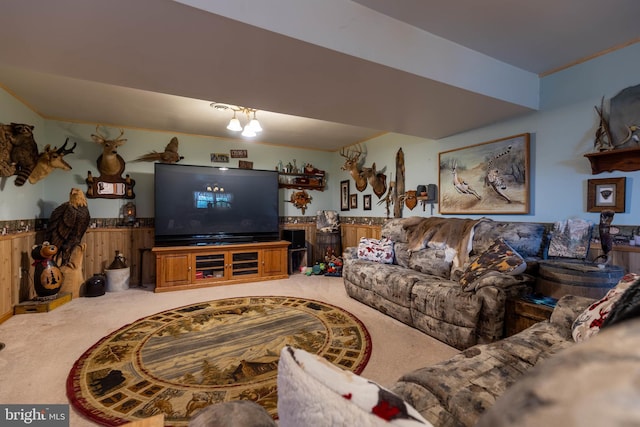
(301,181)
(624,159)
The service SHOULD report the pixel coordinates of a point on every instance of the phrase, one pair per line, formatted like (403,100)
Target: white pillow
(588,323)
(314,392)
(376,250)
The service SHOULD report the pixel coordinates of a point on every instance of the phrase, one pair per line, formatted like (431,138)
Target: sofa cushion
(313,392)
(590,321)
(570,238)
(526,238)
(498,258)
(431,261)
(376,250)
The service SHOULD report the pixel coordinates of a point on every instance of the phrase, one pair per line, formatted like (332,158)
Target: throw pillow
(499,258)
(376,250)
(589,322)
(570,239)
(314,392)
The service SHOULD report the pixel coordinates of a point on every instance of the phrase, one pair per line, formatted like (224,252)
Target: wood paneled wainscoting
(16,271)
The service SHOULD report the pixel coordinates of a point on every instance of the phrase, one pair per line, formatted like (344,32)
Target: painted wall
(561,133)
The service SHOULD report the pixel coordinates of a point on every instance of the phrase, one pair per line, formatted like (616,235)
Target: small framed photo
(606,194)
(244,164)
(219,157)
(344,195)
(366,202)
(353,201)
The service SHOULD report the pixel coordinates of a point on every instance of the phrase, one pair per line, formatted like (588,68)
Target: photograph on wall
(487,178)
(344,195)
(244,164)
(353,204)
(366,202)
(606,194)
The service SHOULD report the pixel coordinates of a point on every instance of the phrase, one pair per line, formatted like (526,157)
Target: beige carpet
(41,348)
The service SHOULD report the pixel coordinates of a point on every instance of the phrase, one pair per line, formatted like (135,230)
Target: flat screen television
(204,205)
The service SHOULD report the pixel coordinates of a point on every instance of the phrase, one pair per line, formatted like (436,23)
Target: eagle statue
(169,155)
(67,225)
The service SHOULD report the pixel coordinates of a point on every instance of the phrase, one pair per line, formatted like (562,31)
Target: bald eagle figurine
(67,225)
(169,155)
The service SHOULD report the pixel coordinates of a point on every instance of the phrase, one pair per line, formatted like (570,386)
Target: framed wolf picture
(487,178)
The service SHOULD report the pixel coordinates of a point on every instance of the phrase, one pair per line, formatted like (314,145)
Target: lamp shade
(234,124)
(255,125)
(248,131)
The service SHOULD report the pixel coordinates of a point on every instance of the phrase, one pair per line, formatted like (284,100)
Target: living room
(562,131)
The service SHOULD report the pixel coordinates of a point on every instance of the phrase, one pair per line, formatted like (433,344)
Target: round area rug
(181,360)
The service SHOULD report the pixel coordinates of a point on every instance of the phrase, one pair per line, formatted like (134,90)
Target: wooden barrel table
(557,278)
(327,240)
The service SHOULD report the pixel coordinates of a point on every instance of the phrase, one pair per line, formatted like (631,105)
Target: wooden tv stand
(191,267)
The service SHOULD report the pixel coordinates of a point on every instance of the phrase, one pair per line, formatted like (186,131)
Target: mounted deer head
(50,160)
(377,180)
(352,165)
(110,162)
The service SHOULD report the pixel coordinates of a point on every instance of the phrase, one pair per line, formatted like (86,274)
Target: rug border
(87,413)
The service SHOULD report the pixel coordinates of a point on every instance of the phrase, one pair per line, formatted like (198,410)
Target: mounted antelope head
(377,180)
(50,160)
(109,162)
(352,165)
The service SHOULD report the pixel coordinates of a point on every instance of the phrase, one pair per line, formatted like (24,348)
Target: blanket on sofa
(453,235)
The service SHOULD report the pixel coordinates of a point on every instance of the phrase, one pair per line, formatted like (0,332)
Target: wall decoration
(377,179)
(353,201)
(239,154)
(49,160)
(344,195)
(487,178)
(300,200)
(110,184)
(169,155)
(399,185)
(606,194)
(352,164)
(219,157)
(366,202)
(243,164)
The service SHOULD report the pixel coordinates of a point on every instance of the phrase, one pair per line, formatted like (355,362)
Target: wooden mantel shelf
(624,159)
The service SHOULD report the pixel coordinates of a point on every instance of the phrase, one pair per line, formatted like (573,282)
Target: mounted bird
(67,225)
(169,155)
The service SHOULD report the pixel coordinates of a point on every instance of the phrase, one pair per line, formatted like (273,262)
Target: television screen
(208,205)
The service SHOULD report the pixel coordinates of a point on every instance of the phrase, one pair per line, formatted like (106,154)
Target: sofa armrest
(568,308)
(350,253)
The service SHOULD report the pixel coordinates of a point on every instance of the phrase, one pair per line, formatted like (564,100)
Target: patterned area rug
(179,361)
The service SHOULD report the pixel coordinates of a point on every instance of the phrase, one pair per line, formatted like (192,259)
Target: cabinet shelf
(301,181)
(624,159)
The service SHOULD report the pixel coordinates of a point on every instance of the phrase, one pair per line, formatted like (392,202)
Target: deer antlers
(351,165)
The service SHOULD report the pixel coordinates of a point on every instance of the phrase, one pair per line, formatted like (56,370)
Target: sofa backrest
(527,238)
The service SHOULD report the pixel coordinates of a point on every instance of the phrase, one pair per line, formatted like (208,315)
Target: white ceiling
(322,74)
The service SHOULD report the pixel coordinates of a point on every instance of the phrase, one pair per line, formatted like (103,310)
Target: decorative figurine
(47,278)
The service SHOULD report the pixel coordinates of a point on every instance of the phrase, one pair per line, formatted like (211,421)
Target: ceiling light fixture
(250,129)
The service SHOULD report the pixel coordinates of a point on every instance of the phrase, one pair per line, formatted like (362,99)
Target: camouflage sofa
(458,391)
(421,287)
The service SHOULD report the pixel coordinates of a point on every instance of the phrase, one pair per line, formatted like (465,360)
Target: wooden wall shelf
(624,159)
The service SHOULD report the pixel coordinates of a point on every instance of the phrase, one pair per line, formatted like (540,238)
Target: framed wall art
(606,194)
(219,157)
(344,195)
(353,204)
(238,154)
(366,202)
(486,178)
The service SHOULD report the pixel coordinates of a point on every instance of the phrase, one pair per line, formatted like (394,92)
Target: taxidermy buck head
(110,162)
(50,160)
(352,157)
(377,180)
